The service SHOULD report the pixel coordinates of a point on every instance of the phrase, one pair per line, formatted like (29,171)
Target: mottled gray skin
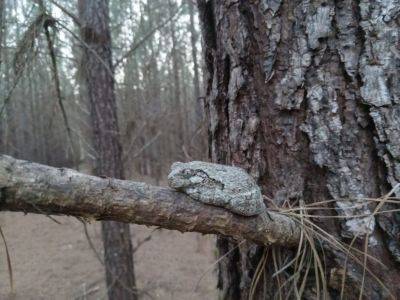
(219,185)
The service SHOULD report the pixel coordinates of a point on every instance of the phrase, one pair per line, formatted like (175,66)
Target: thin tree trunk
(2,17)
(196,77)
(177,101)
(99,81)
(305,96)
(2,87)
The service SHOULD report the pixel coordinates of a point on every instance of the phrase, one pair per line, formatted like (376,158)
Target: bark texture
(305,96)
(99,82)
(36,188)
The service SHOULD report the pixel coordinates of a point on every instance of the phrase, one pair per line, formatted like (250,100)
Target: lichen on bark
(298,69)
(379,65)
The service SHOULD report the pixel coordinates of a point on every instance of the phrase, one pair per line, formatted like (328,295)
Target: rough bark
(36,188)
(99,82)
(305,96)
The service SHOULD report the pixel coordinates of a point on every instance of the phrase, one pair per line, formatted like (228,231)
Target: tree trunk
(2,29)
(196,78)
(193,41)
(305,96)
(2,15)
(99,81)
(198,124)
(177,101)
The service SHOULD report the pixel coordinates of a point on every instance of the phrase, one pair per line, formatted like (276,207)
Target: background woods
(156,85)
(106,87)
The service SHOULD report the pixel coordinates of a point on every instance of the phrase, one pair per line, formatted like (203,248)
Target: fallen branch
(35,188)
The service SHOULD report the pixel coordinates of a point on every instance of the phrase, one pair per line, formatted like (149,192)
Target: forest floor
(55,261)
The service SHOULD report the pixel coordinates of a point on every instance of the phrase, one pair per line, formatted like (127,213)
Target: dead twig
(9,265)
(144,240)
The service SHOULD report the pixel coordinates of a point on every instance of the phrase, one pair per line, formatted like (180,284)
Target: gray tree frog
(219,185)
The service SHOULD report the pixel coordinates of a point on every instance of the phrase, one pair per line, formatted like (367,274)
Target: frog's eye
(186,172)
